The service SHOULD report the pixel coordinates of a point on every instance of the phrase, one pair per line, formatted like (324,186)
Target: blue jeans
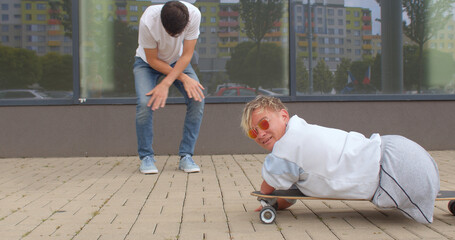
(146,79)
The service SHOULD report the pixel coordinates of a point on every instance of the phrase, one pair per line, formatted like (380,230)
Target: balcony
(53,22)
(54,32)
(53,11)
(54,43)
(273,34)
(227,44)
(305,44)
(367,37)
(228,14)
(312,24)
(121,12)
(366,18)
(228,34)
(306,54)
(228,24)
(367,47)
(224,54)
(366,27)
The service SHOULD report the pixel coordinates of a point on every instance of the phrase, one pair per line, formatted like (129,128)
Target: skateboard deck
(296,194)
(268,212)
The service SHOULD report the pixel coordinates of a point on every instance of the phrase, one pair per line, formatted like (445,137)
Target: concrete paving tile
(296,233)
(361,234)
(398,232)
(166,231)
(107,198)
(276,235)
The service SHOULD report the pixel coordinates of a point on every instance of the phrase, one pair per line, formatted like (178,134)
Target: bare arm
(267,189)
(160,93)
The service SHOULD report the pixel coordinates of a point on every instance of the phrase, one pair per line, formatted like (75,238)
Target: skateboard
(268,212)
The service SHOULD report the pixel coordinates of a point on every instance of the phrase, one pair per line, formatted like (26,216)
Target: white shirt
(153,35)
(324,162)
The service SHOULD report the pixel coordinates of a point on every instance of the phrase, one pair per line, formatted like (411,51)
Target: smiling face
(277,126)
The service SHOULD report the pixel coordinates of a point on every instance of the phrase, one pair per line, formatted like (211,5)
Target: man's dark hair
(174,17)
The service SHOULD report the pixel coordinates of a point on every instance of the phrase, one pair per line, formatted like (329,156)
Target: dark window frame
(76,100)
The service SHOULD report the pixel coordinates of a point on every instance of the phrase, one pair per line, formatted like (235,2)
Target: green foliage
(341,74)
(376,69)
(259,17)
(235,67)
(257,69)
(62,10)
(302,76)
(19,68)
(57,72)
(439,69)
(322,77)
(359,68)
(426,17)
(125,49)
(410,67)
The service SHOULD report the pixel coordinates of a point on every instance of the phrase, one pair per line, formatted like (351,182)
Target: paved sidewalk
(107,198)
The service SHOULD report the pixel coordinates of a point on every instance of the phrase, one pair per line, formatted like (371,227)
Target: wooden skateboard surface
(296,194)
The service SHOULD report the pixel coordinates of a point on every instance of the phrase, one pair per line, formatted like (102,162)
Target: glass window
(340,12)
(230,51)
(41,6)
(38,41)
(133,8)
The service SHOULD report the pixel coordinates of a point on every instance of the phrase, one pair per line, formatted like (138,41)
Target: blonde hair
(262,103)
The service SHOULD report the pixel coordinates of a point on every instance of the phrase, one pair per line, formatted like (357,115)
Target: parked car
(242,91)
(22,94)
(59,94)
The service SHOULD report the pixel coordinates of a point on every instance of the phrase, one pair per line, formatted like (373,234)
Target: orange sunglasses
(263,124)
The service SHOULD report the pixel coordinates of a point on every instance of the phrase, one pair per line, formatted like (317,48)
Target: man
(167,37)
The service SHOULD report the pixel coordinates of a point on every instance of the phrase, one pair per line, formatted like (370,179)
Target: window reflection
(232,50)
(35,50)
(243,47)
(346,58)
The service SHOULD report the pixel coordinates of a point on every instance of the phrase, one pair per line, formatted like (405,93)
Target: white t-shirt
(153,35)
(324,162)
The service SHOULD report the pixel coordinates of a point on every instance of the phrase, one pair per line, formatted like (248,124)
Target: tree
(57,72)
(62,11)
(235,66)
(376,72)
(359,69)
(257,69)
(410,67)
(259,17)
(125,38)
(323,77)
(341,74)
(426,17)
(439,68)
(302,76)
(19,68)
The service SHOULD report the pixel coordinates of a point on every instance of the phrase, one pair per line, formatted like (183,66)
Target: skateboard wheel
(267,215)
(452,207)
